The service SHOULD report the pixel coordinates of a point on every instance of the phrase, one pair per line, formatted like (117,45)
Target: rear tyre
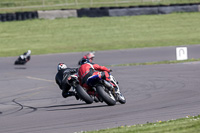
(106,96)
(83,94)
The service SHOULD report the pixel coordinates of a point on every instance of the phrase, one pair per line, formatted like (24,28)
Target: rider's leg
(105,75)
(65,91)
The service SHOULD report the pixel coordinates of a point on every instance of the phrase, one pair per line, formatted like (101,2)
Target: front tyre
(106,96)
(83,94)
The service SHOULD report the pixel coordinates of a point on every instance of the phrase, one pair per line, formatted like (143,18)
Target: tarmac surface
(31,102)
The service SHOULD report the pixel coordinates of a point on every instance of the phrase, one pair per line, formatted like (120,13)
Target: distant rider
(90,56)
(61,79)
(22,59)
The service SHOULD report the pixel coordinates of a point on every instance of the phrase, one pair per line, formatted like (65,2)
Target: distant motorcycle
(23,59)
(105,91)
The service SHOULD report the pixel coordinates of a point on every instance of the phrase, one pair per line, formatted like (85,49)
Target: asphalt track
(31,102)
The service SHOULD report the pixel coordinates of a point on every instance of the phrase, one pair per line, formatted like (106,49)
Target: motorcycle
(23,59)
(105,91)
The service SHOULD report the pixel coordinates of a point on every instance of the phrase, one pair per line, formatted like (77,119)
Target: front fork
(110,88)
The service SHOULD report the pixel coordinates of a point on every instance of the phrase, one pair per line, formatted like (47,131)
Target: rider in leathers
(90,56)
(87,69)
(24,58)
(61,79)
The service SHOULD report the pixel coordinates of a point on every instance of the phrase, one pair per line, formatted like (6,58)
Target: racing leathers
(61,80)
(86,70)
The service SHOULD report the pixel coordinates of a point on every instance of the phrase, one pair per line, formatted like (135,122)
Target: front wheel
(106,96)
(83,94)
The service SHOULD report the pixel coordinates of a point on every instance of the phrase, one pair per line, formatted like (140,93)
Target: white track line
(40,79)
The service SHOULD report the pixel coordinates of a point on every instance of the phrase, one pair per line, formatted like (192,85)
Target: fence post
(91,2)
(43,3)
(66,1)
(116,2)
(76,2)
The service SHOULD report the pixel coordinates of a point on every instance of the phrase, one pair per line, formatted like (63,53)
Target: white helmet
(61,66)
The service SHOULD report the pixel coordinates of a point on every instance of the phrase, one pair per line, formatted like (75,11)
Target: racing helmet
(61,66)
(90,56)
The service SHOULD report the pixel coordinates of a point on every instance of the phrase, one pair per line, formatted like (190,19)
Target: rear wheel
(83,94)
(106,96)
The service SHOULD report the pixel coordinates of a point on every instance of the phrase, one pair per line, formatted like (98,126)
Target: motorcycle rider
(61,79)
(87,69)
(90,56)
(22,59)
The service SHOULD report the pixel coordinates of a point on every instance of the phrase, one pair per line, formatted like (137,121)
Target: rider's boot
(77,97)
(66,94)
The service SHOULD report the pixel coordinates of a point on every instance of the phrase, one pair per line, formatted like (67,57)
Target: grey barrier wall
(133,11)
(175,8)
(153,10)
(138,10)
(101,12)
(53,14)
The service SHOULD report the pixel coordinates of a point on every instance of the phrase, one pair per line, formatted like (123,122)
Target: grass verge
(190,124)
(96,34)
(156,63)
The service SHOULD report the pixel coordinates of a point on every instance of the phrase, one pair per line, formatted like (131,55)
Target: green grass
(156,63)
(105,33)
(76,4)
(190,124)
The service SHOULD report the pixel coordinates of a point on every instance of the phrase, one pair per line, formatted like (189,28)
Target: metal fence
(23,4)
(16,4)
